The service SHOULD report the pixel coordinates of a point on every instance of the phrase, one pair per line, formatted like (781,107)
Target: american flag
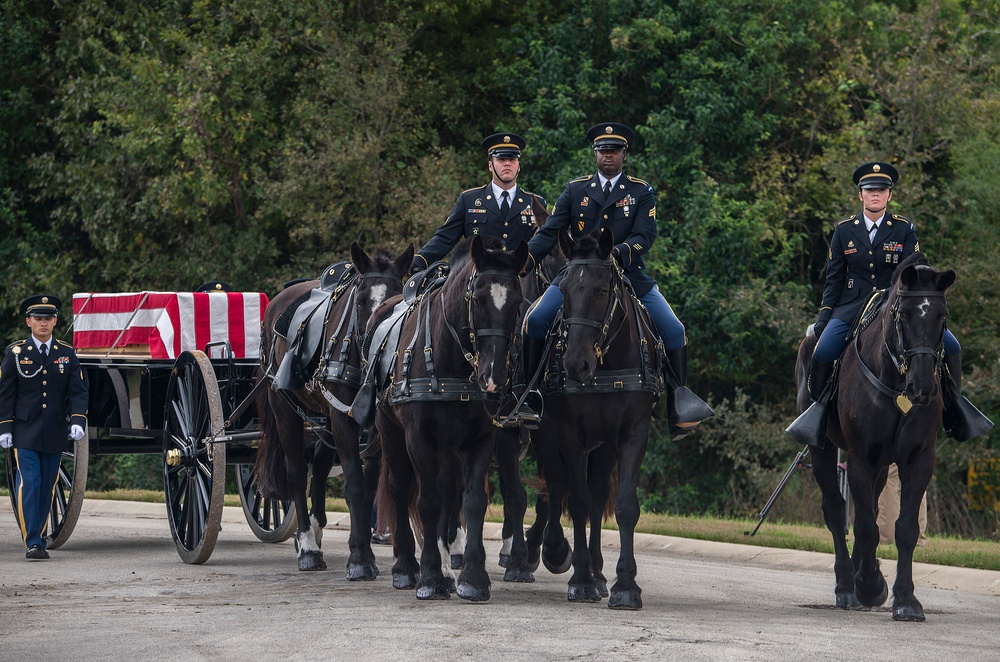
(169,322)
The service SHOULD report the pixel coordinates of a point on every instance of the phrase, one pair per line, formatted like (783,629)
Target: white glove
(75,432)
(6,440)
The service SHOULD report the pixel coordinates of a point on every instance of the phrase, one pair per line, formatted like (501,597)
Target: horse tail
(270,464)
(384,507)
(609,507)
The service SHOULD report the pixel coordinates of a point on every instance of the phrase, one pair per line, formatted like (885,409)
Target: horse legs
(397,479)
(555,553)
(914,477)
(474,582)
(514,554)
(869,585)
(582,587)
(601,463)
(361,563)
(533,536)
(431,479)
(824,467)
(626,594)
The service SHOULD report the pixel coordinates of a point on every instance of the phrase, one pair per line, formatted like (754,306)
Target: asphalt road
(118,591)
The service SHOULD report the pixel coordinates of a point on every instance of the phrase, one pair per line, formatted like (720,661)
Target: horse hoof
(908,613)
(457,560)
(872,598)
(312,561)
(627,600)
(403,580)
(361,572)
(432,593)
(583,594)
(504,561)
(518,575)
(473,593)
(602,587)
(534,558)
(849,601)
(449,583)
(559,560)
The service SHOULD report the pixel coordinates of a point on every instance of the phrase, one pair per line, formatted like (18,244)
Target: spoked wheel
(194,468)
(271,520)
(67,499)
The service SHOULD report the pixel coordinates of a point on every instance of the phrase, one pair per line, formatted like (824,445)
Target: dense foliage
(158,145)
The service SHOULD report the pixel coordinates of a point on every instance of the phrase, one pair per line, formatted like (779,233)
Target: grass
(940,550)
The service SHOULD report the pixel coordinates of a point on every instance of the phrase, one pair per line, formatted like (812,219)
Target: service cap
(504,145)
(215,286)
(610,135)
(875,174)
(41,305)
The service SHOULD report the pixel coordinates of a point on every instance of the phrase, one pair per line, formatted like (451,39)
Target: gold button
(44,394)
(505,235)
(505,224)
(44,383)
(873,275)
(605,217)
(45,372)
(869,252)
(43,406)
(871,265)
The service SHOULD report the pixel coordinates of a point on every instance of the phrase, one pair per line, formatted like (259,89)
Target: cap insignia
(608,129)
(876,168)
(506,139)
(45,299)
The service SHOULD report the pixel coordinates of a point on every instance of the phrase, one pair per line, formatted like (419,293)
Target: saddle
(305,330)
(866,315)
(383,342)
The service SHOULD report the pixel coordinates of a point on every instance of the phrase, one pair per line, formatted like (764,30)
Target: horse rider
(43,398)
(864,252)
(626,206)
(500,208)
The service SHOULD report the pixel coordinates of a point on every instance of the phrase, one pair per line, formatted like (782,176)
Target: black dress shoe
(36,552)
(381,538)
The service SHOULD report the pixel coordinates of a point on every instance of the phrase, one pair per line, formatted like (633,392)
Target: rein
(900,358)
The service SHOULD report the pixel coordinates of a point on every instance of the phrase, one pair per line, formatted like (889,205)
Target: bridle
(604,326)
(473,334)
(900,358)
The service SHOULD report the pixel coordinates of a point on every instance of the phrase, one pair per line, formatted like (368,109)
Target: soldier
(864,252)
(42,399)
(498,209)
(624,205)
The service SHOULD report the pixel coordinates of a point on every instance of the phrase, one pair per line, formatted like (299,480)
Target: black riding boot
(685,409)
(530,411)
(810,427)
(961,420)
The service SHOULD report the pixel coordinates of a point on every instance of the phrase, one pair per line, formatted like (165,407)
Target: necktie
(44,349)
(871,235)
(505,205)
(607,190)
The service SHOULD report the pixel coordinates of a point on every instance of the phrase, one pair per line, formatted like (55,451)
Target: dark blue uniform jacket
(39,401)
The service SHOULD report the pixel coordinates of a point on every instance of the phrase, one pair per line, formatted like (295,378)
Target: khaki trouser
(888,511)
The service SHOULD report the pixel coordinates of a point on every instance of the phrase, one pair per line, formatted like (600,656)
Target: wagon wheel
(194,468)
(67,499)
(271,520)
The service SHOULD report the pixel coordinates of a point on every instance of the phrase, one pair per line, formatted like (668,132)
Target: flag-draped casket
(164,324)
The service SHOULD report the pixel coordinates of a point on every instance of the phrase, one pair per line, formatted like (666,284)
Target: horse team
(447,389)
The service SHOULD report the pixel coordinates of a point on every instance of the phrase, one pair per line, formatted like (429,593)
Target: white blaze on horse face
(924,307)
(377,295)
(499,294)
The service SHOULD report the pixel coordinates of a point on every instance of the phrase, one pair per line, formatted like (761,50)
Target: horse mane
(381,260)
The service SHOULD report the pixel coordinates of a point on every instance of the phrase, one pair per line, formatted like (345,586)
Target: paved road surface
(118,591)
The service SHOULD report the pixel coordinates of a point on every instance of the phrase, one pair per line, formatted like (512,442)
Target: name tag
(850,250)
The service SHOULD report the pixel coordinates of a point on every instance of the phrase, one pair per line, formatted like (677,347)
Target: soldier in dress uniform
(625,205)
(864,252)
(43,400)
(499,209)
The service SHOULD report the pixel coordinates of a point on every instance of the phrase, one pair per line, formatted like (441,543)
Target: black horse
(438,423)
(888,409)
(281,464)
(598,406)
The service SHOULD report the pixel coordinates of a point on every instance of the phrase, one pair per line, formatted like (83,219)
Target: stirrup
(528,414)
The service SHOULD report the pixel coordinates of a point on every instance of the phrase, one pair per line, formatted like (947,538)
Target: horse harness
(445,389)
(642,378)
(901,357)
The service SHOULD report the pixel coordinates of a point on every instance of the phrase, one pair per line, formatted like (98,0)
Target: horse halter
(603,342)
(902,355)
